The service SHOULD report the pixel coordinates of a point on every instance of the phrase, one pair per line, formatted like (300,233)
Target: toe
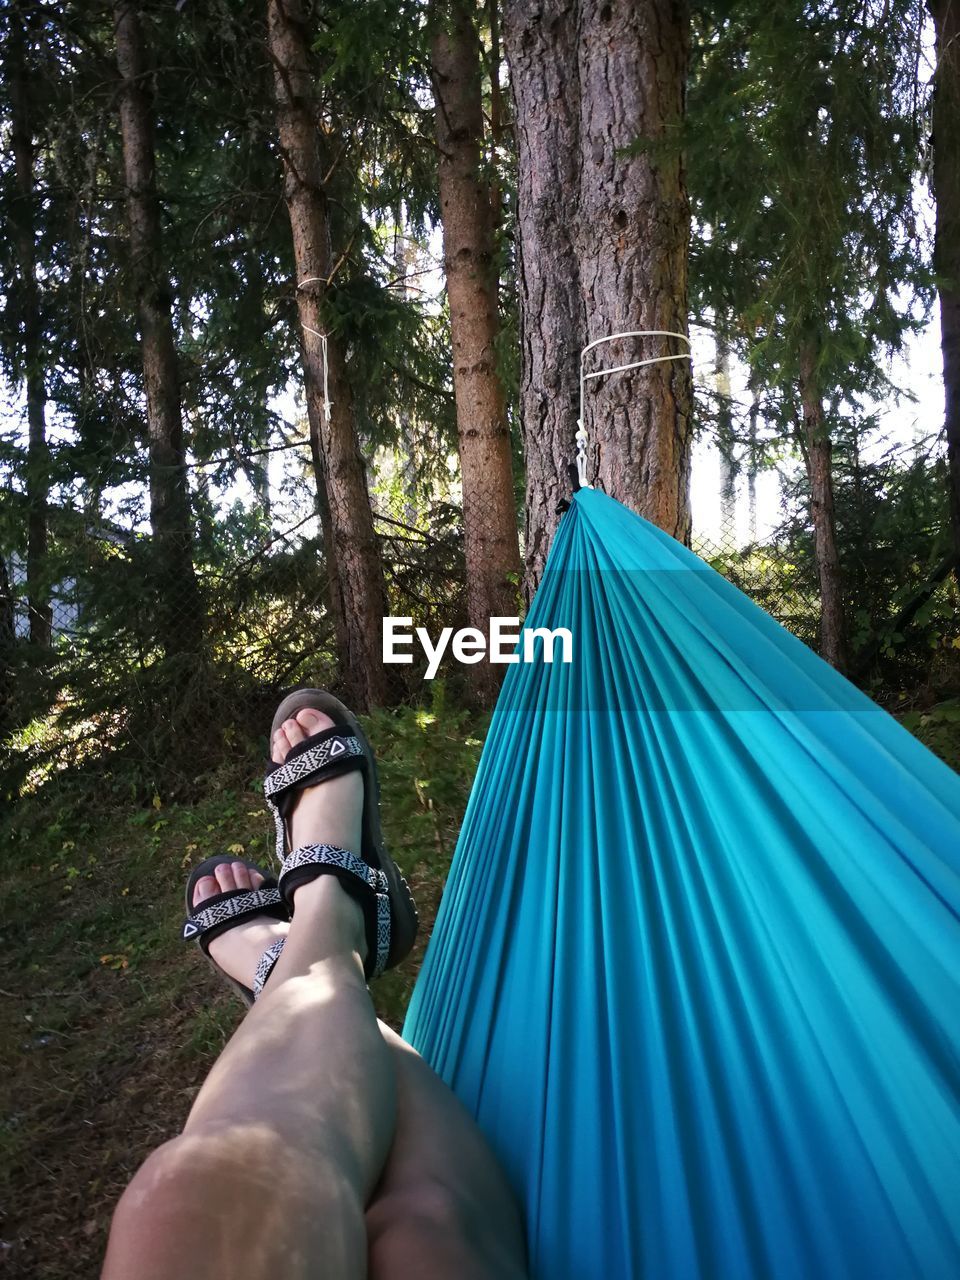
(312,721)
(226,876)
(293,731)
(205,887)
(287,736)
(241,876)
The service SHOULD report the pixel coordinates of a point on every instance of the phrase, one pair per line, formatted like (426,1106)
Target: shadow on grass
(108,1023)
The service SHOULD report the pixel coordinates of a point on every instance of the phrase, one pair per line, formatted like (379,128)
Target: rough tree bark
(603,242)
(946,187)
(818,450)
(354,569)
(489,513)
(633,234)
(27,305)
(179,619)
(540,40)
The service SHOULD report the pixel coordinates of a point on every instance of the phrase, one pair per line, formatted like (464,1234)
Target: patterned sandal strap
(330,749)
(326,754)
(265,965)
(224,910)
(365,883)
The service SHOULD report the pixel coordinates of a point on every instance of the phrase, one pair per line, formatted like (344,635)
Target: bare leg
(443,1207)
(313,1112)
(289,1134)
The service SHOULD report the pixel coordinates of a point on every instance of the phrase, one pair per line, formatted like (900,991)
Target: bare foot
(238,950)
(329,813)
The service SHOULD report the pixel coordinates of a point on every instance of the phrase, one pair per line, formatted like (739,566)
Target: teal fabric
(695,969)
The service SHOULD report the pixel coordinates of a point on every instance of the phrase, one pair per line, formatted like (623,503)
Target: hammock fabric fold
(696,966)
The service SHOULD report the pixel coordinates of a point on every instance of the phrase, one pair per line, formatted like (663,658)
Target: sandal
(372,877)
(222,911)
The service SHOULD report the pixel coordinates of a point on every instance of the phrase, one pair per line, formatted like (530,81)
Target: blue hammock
(696,965)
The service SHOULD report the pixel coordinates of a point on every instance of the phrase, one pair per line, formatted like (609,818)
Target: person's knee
(163,1167)
(228,1189)
(184,1172)
(426,1205)
(223,1169)
(433,1228)
(223,1165)
(152,1199)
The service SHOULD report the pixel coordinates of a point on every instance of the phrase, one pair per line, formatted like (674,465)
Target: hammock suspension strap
(581,436)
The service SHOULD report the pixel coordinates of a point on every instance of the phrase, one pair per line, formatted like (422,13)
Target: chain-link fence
(771,573)
(153,668)
(158,668)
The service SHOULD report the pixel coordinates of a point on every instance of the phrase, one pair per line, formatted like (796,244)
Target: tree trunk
(8,639)
(27,305)
(603,241)
(752,466)
(355,570)
(179,619)
(632,244)
(946,188)
(540,39)
(315,421)
(406,259)
(489,513)
(726,447)
(818,450)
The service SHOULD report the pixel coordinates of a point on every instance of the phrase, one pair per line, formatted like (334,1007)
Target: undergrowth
(108,1023)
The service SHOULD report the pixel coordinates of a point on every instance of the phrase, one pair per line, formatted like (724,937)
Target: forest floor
(108,1023)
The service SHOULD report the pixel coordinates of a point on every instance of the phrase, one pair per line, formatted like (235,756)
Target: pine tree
(178,603)
(20,72)
(802,144)
(355,571)
(946,189)
(466,207)
(603,229)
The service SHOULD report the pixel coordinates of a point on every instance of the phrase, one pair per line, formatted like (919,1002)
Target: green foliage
(110,1022)
(227,250)
(127,763)
(803,140)
(803,137)
(428,760)
(892,534)
(939,729)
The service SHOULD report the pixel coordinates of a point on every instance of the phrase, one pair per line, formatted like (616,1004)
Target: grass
(108,1023)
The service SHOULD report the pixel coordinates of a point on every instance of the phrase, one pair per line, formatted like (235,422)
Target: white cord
(581,436)
(327,402)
